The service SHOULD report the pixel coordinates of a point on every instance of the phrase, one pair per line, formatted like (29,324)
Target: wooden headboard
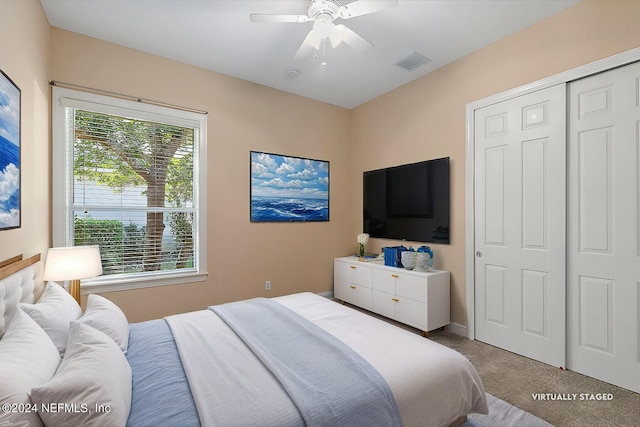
(10,261)
(15,264)
(17,284)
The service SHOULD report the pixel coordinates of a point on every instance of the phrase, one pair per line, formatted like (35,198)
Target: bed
(299,359)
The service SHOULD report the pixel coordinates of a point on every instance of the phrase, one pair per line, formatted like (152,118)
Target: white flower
(363,238)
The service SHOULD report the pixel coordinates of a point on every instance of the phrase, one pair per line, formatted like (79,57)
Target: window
(130,177)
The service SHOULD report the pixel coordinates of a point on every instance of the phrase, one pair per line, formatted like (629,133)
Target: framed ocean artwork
(288,189)
(10,212)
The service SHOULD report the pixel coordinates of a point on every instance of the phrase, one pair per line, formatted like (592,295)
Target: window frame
(62,182)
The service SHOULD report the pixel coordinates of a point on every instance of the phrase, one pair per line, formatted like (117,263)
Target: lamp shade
(72,263)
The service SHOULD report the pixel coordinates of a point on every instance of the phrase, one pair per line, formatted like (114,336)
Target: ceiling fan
(323,13)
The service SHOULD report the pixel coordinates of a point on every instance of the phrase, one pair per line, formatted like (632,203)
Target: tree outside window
(148,168)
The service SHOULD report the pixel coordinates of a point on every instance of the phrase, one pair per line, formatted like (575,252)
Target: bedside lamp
(73,263)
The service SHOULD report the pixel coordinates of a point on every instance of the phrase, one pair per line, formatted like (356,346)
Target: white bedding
(219,357)
(432,385)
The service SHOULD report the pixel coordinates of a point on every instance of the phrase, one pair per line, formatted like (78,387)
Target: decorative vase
(361,249)
(408,259)
(422,261)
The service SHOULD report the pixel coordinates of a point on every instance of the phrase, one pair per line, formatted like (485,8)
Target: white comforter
(432,385)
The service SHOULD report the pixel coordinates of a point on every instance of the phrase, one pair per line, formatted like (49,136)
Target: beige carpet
(515,379)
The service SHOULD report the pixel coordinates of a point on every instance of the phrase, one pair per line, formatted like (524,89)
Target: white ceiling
(217,35)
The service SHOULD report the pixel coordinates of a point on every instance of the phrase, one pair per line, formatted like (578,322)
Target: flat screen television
(408,202)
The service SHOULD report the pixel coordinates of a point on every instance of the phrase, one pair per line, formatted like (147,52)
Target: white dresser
(417,299)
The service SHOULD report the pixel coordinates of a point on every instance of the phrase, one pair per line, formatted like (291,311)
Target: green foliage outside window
(124,153)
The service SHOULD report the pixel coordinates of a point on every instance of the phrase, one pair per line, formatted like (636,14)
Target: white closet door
(603,246)
(520,200)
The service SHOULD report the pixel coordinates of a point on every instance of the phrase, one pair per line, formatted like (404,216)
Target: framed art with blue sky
(9,153)
(288,189)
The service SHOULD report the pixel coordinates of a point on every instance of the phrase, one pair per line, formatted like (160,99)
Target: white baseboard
(458,329)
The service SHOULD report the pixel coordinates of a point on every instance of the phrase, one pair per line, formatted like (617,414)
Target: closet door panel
(603,270)
(534,191)
(595,193)
(520,166)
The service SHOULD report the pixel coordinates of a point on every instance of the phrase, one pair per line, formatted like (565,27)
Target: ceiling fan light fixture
(322,26)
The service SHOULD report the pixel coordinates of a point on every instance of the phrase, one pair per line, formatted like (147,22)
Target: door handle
(479,254)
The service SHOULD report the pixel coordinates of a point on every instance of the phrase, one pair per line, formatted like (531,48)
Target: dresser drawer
(352,272)
(412,313)
(353,294)
(384,304)
(400,283)
(384,281)
(404,310)
(412,287)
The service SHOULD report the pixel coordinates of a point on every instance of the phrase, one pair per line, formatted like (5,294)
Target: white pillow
(107,317)
(28,358)
(94,373)
(53,312)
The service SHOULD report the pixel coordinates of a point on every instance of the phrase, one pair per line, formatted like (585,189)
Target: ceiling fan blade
(303,51)
(362,7)
(258,17)
(352,38)
(336,35)
(312,40)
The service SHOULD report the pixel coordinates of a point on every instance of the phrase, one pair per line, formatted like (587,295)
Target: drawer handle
(353,266)
(395,276)
(395,299)
(352,287)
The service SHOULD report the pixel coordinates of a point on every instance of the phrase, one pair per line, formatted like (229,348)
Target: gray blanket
(330,384)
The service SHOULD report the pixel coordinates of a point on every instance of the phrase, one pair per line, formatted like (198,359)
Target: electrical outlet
(267,285)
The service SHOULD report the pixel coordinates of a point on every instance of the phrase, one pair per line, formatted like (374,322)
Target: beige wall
(426,118)
(24,57)
(242,117)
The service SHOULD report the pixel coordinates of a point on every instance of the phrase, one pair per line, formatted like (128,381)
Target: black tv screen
(408,202)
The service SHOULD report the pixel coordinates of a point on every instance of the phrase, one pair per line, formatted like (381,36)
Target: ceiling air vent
(413,61)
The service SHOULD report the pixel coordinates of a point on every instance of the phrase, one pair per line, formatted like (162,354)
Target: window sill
(141,283)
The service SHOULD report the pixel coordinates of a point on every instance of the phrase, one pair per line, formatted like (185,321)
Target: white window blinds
(131,187)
